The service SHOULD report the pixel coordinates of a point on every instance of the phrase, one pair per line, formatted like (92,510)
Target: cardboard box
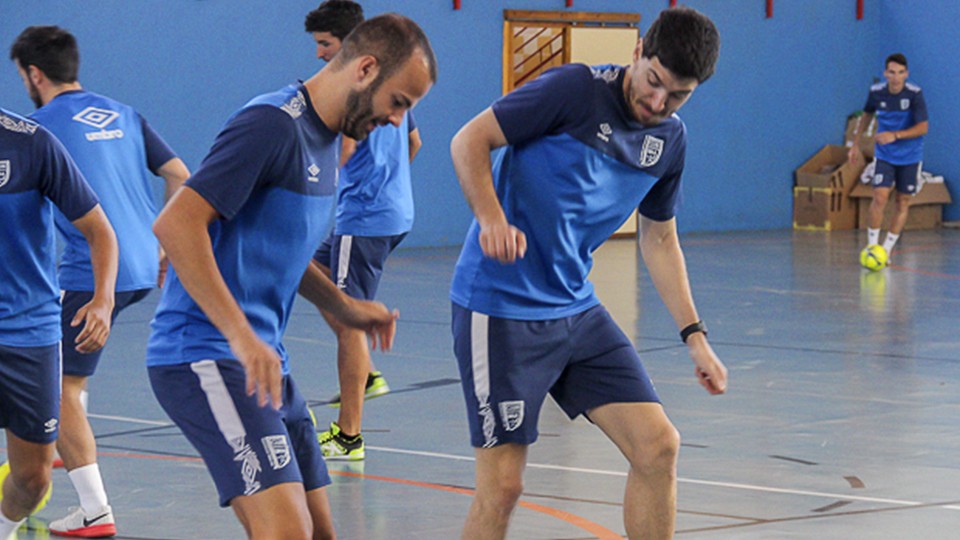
(830,169)
(866,136)
(926,207)
(823,209)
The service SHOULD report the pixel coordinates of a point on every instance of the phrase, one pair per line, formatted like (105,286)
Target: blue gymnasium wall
(928,38)
(783,86)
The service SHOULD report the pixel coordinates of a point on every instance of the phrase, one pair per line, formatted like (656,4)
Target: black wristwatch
(693,329)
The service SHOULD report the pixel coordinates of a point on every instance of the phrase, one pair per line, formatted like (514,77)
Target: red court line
(600,532)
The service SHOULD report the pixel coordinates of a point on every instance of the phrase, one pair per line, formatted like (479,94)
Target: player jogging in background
(374,214)
(117,151)
(901,113)
(585,146)
(35,171)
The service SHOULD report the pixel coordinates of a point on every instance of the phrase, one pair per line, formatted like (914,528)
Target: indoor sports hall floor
(842,419)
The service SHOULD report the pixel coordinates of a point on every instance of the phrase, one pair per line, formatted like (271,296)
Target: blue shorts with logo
(30,392)
(247,448)
(356,262)
(77,363)
(905,176)
(507,368)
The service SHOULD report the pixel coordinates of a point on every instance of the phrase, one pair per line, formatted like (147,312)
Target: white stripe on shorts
(480,358)
(221,404)
(343,264)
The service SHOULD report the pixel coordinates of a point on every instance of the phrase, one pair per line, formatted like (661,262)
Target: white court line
(128,419)
(731,485)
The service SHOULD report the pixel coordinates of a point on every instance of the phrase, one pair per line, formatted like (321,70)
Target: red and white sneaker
(79,524)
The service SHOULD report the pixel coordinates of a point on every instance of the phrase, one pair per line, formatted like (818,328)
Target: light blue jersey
(375,197)
(271,175)
(35,171)
(576,167)
(897,112)
(116,151)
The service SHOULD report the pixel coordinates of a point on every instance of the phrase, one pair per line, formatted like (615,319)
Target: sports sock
(86,480)
(890,241)
(8,527)
(873,236)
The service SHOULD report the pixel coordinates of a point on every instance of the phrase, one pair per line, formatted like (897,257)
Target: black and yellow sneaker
(376,387)
(336,447)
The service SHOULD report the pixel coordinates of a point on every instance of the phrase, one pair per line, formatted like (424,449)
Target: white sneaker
(77,523)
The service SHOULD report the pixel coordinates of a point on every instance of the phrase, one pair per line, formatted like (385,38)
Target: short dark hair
(686,42)
(391,39)
(51,49)
(339,17)
(897,58)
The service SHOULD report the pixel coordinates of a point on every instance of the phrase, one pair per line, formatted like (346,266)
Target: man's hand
(262,366)
(95,317)
(503,242)
(710,371)
(885,137)
(374,318)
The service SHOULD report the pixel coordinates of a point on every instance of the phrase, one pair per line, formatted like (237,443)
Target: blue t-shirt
(35,169)
(897,112)
(577,165)
(271,175)
(375,197)
(116,151)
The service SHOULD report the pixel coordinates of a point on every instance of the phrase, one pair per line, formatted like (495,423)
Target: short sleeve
(60,179)
(545,105)
(662,200)
(870,106)
(919,106)
(242,157)
(157,150)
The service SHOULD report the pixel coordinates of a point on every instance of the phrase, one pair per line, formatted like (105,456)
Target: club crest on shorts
(650,151)
(511,414)
(4,171)
(278,451)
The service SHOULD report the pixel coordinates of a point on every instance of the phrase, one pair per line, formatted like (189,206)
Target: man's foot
(79,524)
(376,387)
(336,447)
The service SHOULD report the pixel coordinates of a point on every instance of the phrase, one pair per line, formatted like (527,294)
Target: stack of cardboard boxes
(829,195)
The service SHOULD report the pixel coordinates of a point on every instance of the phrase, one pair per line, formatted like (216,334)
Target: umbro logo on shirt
(99,118)
(314,173)
(604,132)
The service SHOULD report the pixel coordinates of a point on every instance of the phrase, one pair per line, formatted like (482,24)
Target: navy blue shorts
(74,362)
(356,262)
(508,366)
(247,448)
(905,176)
(30,392)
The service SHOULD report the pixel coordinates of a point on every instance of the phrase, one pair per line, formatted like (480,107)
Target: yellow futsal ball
(5,470)
(873,258)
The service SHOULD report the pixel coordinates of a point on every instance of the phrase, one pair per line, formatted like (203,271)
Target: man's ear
(366,70)
(36,75)
(638,50)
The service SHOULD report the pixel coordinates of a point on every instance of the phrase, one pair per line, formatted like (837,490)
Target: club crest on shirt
(4,171)
(511,414)
(295,106)
(904,104)
(651,151)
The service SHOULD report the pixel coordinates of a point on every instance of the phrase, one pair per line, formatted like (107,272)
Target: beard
(359,117)
(35,95)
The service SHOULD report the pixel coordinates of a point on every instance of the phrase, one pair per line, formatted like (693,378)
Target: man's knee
(658,453)
(32,481)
